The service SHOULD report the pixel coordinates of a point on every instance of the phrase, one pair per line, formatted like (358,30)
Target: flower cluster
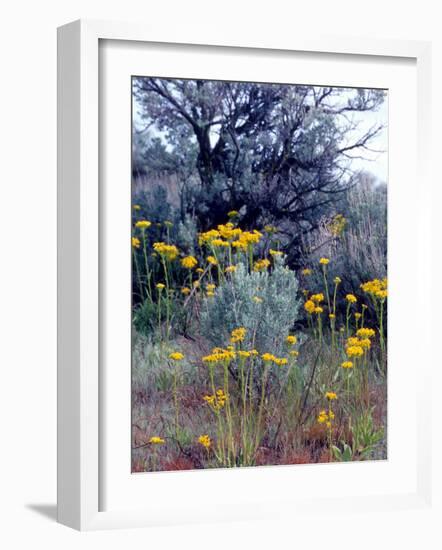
(217,400)
(189,262)
(205,441)
(238,335)
(168,251)
(377,288)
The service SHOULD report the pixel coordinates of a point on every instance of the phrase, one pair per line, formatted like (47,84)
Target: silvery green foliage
(265,303)
(187,234)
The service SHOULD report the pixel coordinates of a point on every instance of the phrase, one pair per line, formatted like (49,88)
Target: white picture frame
(79,266)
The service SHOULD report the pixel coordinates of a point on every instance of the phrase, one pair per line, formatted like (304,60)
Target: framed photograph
(235,227)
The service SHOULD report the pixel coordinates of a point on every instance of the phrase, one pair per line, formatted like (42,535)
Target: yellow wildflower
(317,298)
(332,316)
(136,242)
(196,284)
(217,400)
(160,286)
(347,365)
(337,280)
(176,356)
(322,417)
(260,265)
(365,343)
(143,224)
(358,315)
(306,271)
(318,310)
(324,261)
(230,268)
(238,335)
(257,299)
(212,260)
(155,440)
(294,353)
(331,395)
(280,361)
(365,332)
(232,214)
(168,251)
(291,340)
(244,354)
(275,252)
(354,351)
(205,441)
(309,306)
(136,207)
(189,262)
(185,290)
(351,298)
(267,357)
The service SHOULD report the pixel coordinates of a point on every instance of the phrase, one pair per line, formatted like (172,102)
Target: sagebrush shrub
(265,303)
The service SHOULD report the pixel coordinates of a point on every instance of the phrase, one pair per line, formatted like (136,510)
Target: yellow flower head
(260,265)
(217,400)
(136,207)
(143,224)
(160,286)
(309,306)
(365,332)
(212,260)
(351,298)
(176,356)
(238,335)
(196,284)
(347,365)
(232,214)
(205,441)
(306,271)
(317,298)
(210,294)
(275,252)
(219,355)
(358,315)
(210,287)
(267,357)
(324,261)
(155,440)
(280,361)
(354,351)
(230,268)
(185,290)
(199,270)
(168,223)
(167,251)
(337,280)
(291,340)
(244,354)
(189,262)
(330,395)
(365,343)
(294,353)
(136,242)
(323,417)
(257,299)
(332,316)
(318,310)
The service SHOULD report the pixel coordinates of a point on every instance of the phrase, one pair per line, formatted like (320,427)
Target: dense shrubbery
(227,364)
